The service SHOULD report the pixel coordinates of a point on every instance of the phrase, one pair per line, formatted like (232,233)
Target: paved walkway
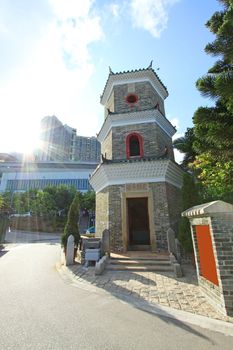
(156,288)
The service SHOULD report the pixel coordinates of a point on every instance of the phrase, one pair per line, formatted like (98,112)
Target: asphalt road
(40,310)
(31,237)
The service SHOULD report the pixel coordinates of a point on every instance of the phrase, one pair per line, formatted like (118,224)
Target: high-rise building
(87,149)
(60,143)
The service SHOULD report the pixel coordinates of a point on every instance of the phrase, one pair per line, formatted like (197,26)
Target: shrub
(72,227)
(4,223)
(189,199)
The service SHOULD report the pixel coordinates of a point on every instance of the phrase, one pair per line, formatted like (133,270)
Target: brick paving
(156,288)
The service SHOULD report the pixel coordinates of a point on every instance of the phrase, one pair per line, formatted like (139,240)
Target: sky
(55,57)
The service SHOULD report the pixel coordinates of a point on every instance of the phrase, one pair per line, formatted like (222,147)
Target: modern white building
(22,176)
(61,143)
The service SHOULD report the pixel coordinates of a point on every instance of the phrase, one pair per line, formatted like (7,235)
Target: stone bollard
(105,243)
(171,242)
(70,251)
(100,265)
(177,270)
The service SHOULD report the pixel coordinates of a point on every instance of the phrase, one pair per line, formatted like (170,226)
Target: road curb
(223,327)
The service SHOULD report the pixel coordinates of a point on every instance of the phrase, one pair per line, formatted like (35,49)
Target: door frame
(144,222)
(124,213)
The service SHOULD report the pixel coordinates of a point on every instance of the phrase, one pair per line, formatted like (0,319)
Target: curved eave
(137,117)
(134,76)
(139,172)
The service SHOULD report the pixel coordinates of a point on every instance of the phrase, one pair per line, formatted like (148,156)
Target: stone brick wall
(109,212)
(106,146)
(148,97)
(102,211)
(167,206)
(37,224)
(174,206)
(108,215)
(155,140)
(109,104)
(221,230)
(210,290)
(115,217)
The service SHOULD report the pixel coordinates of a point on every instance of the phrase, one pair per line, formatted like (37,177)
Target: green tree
(219,80)
(63,197)
(189,199)
(1,201)
(7,200)
(88,201)
(185,145)
(4,221)
(20,202)
(72,227)
(208,148)
(213,126)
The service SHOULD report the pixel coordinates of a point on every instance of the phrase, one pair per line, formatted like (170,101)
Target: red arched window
(134,145)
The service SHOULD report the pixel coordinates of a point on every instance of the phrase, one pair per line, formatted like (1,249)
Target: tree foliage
(1,201)
(48,201)
(219,80)
(189,199)
(185,145)
(72,227)
(88,201)
(208,147)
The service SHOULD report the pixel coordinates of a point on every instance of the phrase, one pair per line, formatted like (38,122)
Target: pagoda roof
(148,73)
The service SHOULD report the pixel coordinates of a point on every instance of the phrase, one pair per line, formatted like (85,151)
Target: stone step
(139,258)
(156,268)
(140,262)
(139,247)
(158,264)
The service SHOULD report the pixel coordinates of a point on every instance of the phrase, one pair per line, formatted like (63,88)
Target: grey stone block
(177,270)
(70,250)
(92,254)
(100,265)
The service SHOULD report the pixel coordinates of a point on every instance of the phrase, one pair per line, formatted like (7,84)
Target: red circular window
(131,98)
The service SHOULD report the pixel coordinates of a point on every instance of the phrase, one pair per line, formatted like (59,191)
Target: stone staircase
(138,262)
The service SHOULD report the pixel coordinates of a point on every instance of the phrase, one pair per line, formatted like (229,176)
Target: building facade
(138,182)
(61,143)
(57,140)
(87,149)
(23,176)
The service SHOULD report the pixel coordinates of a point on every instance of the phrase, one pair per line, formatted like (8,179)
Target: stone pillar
(70,250)
(171,242)
(105,246)
(212,234)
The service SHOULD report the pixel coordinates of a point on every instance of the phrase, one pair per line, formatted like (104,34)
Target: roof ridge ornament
(110,70)
(150,65)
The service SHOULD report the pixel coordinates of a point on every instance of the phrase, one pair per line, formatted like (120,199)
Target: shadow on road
(3,252)
(109,284)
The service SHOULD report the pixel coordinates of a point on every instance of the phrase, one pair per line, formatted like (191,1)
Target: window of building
(134,145)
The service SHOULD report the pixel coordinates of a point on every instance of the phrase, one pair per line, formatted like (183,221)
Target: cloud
(178,156)
(151,15)
(54,75)
(78,28)
(175,122)
(114,10)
